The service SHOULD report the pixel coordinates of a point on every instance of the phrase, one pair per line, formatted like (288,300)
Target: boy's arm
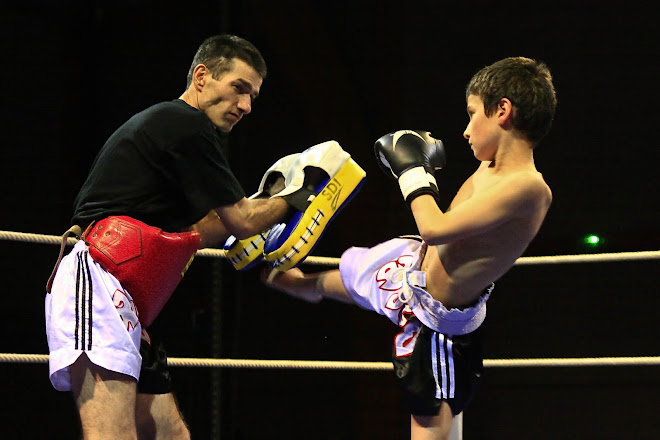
(513,197)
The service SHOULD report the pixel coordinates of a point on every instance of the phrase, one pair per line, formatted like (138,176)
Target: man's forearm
(249,217)
(211,229)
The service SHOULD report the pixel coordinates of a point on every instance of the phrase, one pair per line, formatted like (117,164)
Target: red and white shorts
(386,279)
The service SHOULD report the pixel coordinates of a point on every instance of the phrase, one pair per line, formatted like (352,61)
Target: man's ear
(199,73)
(504,111)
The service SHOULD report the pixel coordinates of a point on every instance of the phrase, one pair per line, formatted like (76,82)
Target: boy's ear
(504,110)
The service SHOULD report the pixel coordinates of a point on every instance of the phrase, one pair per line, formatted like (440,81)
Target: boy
(435,287)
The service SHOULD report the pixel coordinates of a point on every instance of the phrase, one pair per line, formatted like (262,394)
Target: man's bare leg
(105,401)
(432,427)
(158,418)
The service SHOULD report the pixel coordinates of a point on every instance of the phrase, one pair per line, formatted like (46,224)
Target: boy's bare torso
(458,272)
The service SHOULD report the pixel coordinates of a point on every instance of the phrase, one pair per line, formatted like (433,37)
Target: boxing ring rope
(347,365)
(364,366)
(331,261)
(457,427)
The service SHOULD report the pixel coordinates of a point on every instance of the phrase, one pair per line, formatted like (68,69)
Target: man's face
(227,99)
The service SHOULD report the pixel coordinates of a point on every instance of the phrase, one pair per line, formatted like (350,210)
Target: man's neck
(190,98)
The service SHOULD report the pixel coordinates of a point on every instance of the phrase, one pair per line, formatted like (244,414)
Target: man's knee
(158,417)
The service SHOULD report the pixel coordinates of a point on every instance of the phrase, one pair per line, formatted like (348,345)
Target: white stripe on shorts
(442,347)
(84,295)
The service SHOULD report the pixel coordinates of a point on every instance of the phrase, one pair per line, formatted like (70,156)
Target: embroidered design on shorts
(390,278)
(405,341)
(126,309)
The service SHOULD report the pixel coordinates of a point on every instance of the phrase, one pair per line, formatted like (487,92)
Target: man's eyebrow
(248,85)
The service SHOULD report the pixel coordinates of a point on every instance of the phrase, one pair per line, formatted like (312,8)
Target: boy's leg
(105,401)
(309,287)
(432,427)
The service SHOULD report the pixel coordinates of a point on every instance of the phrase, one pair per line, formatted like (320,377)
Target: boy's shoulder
(530,185)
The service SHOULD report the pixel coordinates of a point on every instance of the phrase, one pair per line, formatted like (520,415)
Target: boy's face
(481,130)
(227,99)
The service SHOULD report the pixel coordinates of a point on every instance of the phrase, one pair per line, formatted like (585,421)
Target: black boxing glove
(411,157)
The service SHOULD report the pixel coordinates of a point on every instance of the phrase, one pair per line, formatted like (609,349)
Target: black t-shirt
(164,167)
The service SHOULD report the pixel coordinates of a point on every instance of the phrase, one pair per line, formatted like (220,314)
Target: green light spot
(592,240)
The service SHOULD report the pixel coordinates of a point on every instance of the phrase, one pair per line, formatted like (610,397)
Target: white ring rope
(345,365)
(330,261)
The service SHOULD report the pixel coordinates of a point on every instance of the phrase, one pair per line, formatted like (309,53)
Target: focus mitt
(245,254)
(319,182)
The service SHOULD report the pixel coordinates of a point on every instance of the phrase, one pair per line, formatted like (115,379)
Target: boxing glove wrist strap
(417,180)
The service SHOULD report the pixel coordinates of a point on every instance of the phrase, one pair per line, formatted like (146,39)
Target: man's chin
(225,128)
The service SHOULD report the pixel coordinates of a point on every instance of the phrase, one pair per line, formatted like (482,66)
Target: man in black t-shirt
(163,167)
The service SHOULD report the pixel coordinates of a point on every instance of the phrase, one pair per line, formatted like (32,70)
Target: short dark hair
(527,83)
(218,52)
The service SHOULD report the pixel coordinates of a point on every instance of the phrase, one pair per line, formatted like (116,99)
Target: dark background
(350,71)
